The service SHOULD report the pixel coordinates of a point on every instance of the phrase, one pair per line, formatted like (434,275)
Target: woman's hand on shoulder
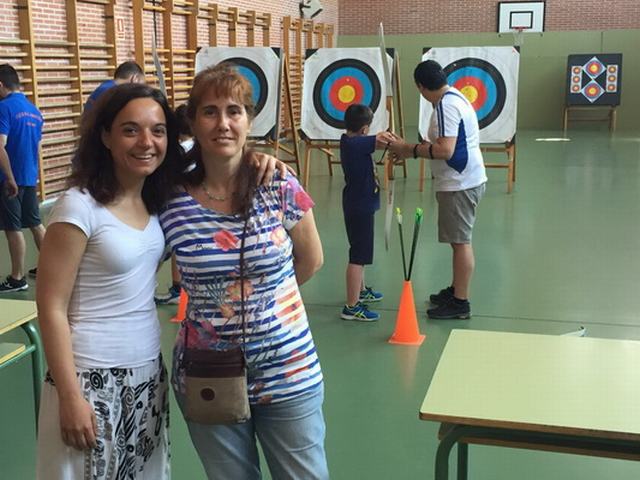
(267,165)
(78,425)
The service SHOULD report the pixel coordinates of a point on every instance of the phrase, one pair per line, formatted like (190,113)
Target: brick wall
(361,17)
(50,23)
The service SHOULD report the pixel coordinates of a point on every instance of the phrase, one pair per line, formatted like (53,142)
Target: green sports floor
(560,252)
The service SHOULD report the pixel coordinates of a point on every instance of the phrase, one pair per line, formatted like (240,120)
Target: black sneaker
(33,272)
(10,284)
(442,297)
(453,309)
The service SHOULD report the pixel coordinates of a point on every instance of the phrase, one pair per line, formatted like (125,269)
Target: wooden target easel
(276,144)
(327,146)
(508,148)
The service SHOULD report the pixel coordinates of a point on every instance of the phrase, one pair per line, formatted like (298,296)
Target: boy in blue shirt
(360,200)
(20,134)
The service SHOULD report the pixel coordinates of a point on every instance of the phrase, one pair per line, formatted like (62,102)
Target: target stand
(334,80)
(608,110)
(594,83)
(508,148)
(289,140)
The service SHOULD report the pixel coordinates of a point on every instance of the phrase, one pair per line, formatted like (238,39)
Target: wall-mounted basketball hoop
(518,18)
(518,36)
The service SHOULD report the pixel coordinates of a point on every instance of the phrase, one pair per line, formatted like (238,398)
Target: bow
(388,161)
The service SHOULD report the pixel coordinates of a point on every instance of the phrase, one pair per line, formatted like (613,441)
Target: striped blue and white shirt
(454,116)
(281,356)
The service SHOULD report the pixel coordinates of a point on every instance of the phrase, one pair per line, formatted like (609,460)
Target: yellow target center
(346,94)
(470,92)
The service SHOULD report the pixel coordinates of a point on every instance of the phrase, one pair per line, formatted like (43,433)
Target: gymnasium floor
(560,252)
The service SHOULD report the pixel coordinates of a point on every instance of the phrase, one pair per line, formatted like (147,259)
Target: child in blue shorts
(360,200)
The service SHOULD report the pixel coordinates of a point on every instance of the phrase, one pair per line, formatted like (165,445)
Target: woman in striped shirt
(219,211)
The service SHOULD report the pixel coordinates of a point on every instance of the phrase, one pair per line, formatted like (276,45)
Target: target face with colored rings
(488,78)
(482,84)
(255,76)
(599,81)
(262,67)
(341,84)
(334,79)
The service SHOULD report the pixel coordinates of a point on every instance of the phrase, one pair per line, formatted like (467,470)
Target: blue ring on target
(487,81)
(490,77)
(368,84)
(256,78)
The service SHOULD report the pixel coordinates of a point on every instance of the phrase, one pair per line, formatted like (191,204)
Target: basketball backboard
(525,16)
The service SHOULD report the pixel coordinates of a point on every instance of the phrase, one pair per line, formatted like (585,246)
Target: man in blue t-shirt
(20,134)
(360,200)
(127,72)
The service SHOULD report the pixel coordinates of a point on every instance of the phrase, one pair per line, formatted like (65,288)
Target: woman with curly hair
(105,394)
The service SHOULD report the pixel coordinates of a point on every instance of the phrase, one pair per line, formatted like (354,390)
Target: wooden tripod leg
(307,166)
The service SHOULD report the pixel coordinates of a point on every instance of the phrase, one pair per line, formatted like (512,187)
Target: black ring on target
(368,89)
(486,75)
(255,76)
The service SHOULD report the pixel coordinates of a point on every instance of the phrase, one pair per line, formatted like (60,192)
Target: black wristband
(431,151)
(415,150)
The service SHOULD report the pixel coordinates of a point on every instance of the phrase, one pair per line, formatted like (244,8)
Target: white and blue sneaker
(368,295)
(172,296)
(359,312)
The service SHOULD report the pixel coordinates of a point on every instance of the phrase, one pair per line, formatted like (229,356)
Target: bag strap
(242,306)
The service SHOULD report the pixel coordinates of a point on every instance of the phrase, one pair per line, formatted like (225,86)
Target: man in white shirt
(459,175)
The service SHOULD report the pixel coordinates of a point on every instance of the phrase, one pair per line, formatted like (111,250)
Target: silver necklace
(217,198)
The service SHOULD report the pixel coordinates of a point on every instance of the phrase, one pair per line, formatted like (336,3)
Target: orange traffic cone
(182,307)
(407,332)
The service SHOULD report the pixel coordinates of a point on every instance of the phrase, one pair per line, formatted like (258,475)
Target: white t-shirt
(454,116)
(112,316)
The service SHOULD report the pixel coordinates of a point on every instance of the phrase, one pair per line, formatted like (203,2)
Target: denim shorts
(291,434)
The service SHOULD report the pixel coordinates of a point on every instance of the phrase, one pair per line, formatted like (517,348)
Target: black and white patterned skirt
(132,413)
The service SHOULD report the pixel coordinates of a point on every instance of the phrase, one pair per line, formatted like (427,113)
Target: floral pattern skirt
(132,413)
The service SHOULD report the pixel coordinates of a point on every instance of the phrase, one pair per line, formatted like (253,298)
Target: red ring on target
(594,67)
(336,91)
(470,86)
(592,91)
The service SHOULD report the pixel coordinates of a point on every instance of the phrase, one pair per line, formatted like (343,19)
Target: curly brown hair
(93,165)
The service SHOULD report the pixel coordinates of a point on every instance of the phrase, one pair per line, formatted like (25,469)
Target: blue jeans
(291,434)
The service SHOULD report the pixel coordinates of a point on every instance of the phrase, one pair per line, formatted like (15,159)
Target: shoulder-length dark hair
(93,165)
(223,80)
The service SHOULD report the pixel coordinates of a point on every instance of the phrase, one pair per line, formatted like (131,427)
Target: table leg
(463,460)
(442,454)
(37,366)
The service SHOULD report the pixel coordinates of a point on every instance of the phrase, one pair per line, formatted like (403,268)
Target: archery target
(262,67)
(488,78)
(335,78)
(594,79)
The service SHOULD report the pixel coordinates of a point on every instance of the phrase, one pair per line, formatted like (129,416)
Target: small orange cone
(182,307)
(407,332)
